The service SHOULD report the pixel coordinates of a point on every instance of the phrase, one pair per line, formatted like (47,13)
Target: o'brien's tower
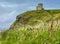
(39,6)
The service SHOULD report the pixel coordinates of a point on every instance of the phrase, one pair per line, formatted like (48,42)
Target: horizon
(10,9)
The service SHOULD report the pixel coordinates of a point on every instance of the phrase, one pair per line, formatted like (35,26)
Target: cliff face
(35,19)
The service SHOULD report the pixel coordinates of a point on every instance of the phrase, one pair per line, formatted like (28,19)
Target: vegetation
(0,37)
(35,17)
(34,27)
(34,36)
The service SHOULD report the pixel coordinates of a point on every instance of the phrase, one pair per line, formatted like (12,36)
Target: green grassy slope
(16,35)
(30,37)
(34,17)
(0,37)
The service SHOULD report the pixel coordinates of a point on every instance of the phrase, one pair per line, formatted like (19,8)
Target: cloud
(12,5)
(7,16)
(7,19)
(7,4)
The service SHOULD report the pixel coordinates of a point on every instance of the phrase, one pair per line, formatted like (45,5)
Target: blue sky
(9,9)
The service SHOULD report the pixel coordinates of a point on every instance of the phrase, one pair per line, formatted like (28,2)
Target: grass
(34,17)
(35,36)
(17,35)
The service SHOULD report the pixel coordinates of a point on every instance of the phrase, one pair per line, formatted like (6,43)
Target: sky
(9,9)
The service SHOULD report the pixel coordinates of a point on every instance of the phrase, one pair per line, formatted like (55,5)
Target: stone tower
(39,6)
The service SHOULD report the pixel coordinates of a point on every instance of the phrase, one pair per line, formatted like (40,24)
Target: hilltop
(34,18)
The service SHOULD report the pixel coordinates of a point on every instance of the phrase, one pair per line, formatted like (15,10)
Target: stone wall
(39,7)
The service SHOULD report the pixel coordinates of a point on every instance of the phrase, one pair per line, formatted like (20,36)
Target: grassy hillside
(32,18)
(32,27)
(0,37)
(39,36)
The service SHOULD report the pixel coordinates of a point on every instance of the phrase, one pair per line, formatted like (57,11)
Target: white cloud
(12,5)
(6,4)
(6,16)
(7,19)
